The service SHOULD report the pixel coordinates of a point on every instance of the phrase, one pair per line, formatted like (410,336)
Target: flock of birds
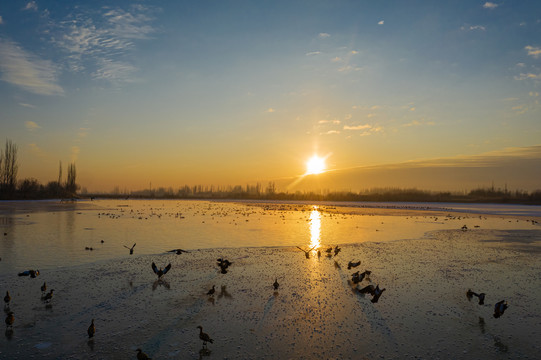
(223,265)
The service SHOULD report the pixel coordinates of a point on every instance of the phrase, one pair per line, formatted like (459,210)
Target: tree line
(30,188)
(270,192)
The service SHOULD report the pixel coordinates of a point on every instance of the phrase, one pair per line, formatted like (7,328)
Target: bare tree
(9,168)
(71,185)
(60,173)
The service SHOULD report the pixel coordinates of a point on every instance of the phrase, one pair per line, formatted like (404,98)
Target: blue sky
(223,92)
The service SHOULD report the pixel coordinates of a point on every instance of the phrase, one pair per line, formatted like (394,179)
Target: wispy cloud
(381,22)
(271,110)
(358,127)
(104,42)
(324,35)
(533,51)
(114,71)
(27,105)
(36,150)
(1,20)
(528,76)
(31,6)
(490,5)
(30,125)
(312,53)
(473,28)
(27,71)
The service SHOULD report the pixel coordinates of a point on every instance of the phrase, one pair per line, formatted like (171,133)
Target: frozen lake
(45,234)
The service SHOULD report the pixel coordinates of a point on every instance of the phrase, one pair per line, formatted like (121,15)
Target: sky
(237,92)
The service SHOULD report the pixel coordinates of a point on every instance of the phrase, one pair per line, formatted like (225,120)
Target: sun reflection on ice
(315,228)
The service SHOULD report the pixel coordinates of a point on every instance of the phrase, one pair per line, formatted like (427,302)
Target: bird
(10,319)
(7,299)
(377,294)
(306,253)
(367,290)
(44,287)
(31,273)
(211,291)
(352,264)
(276,284)
(499,308)
(337,250)
(481,296)
(91,330)
(178,251)
(141,355)
(329,250)
(160,272)
(204,336)
(131,249)
(223,264)
(48,296)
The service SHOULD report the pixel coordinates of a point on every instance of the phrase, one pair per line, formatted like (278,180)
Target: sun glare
(315,165)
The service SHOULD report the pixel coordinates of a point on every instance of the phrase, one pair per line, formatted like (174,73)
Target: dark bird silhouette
(10,319)
(160,272)
(481,296)
(141,355)
(352,264)
(130,248)
(306,253)
(337,250)
(329,250)
(337,265)
(7,299)
(357,278)
(377,293)
(31,273)
(204,336)
(223,264)
(499,308)
(44,287)
(367,290)
(91,330)
(211,291)
(276,285)
(48,296)
(464,228)
(178,251)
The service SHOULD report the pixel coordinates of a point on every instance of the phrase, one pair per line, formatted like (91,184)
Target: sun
(315,165)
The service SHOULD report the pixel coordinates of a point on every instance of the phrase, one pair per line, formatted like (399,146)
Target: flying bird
(160,272)
(204,336)
(337,250)
(499,308)
(130,248)
(367,290)
(481,296)
(306,253)
(178,251)
(377,294)
(91,330)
